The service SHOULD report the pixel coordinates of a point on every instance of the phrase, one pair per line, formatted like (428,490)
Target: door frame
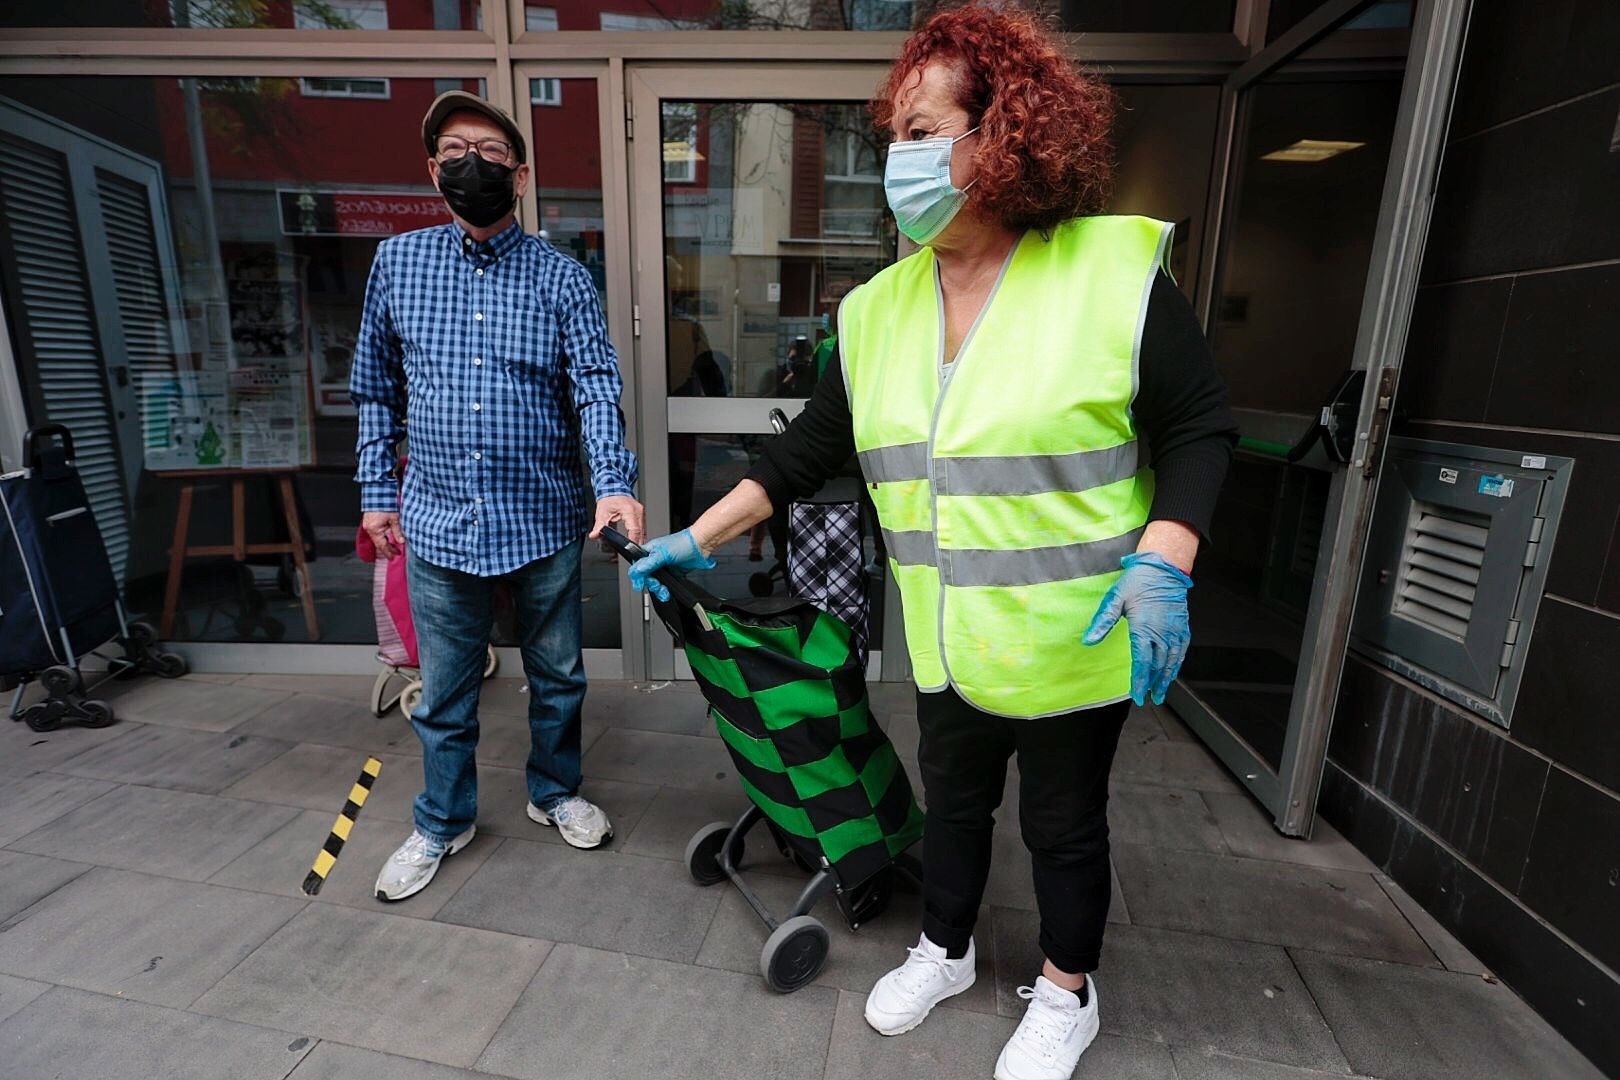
(1438,29)
(648,85)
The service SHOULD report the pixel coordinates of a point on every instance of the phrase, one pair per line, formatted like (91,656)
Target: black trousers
(1063,764)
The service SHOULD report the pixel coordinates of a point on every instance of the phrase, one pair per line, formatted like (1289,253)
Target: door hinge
(646,607)
(1510,642)
(635,320)
(1373,447)
(629,123)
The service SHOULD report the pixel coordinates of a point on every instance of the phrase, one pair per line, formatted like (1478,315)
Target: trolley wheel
(168,665)
(143,633)
(60,682)
(45,716)
(492,664)
(703,853)
(96,714)
(287,579)
(410,698)
(760,584)
(794,954)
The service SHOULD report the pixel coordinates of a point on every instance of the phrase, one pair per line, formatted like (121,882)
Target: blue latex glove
(678,553)
(1152,596)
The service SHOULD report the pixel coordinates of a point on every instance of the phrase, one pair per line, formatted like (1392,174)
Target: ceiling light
(1310,151)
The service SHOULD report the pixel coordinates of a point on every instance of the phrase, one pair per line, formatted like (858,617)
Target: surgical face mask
(917,181)
(480,192)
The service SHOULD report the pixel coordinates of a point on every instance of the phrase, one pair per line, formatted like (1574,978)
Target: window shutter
(143,306)
(57,328)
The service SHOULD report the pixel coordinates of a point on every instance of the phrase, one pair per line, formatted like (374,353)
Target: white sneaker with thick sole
(581,822)
(410,868)
(1055,1031)
(904,997)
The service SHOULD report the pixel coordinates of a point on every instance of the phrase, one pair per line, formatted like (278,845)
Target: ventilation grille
(1439,569)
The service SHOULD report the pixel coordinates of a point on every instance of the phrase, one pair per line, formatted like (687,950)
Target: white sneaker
(409,869)
(580,821)
(1055,1031)
(904,997)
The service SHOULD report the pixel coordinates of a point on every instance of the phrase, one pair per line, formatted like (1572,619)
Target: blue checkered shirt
(497,357)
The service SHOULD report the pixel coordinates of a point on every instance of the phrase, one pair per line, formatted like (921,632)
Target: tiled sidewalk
(151,923)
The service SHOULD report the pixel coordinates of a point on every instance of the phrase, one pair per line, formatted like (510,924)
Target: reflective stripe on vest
(1009,487)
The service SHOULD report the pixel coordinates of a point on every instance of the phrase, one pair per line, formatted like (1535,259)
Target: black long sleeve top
(1180,409)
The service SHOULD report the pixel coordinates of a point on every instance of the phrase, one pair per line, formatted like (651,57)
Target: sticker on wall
(1499,486)
(1448,476)
(1533,461)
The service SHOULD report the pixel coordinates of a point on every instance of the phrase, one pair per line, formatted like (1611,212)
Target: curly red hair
(1044,154)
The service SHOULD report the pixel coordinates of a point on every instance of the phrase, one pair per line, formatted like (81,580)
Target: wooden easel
(238,549)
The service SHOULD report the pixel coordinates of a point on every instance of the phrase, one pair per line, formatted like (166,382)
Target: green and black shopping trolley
(787,692)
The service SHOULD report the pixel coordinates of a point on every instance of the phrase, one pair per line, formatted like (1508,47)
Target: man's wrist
(380,497)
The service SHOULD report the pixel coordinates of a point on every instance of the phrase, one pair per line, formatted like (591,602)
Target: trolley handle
(630,551)
(35,436)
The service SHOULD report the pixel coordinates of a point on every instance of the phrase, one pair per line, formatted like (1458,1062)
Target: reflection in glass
(771,214)
(703,467)
(1096,16)
(213,237)
(249,14)
(1289,299)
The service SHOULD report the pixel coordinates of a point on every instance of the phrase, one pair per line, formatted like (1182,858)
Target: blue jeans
(454,613)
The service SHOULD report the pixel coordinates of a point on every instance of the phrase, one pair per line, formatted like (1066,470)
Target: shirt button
(479,500)
(476,406)
(478,361)
(480,273)
(477,456)
(479,316)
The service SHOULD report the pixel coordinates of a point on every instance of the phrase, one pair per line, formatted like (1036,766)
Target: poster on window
(270,422)
(333,329)
(186,420)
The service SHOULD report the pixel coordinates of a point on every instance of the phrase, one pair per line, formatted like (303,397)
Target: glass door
(1331,136)
(757,204)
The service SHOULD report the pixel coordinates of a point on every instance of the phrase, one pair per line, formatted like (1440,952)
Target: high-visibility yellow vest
(1010,482)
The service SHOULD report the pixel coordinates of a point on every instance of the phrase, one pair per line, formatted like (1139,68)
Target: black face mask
(479,192)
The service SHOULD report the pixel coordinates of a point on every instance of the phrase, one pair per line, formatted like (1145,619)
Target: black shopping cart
(59,601)
(786,688)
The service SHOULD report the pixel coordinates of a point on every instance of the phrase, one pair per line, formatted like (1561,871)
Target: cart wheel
(59,681)
(168,665)
(491,665)
(143,633)
(287,579)
(410,698)
(794,953)
(45,716)
(380,703)
(703,853)
(96,714)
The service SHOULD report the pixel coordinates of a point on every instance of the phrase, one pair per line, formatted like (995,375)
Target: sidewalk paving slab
(71,1033)
(16,993)
(1205,1064)
(335,1061)
(172,833)
(199,704)
(29,802)
(1404,1023)
(598,1015)
(141,937)
(26,879)
(403,986)
(1186,989)
(1272,903)
(602,899)
(163,757)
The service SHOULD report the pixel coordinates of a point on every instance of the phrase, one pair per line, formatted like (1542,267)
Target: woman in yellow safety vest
(1043,434)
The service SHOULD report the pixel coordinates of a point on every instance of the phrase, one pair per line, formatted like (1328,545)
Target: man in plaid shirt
(491,345)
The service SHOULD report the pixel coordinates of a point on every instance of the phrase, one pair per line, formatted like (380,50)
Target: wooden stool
(238,549)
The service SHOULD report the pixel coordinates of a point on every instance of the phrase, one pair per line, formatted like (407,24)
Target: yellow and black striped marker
(341,828)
